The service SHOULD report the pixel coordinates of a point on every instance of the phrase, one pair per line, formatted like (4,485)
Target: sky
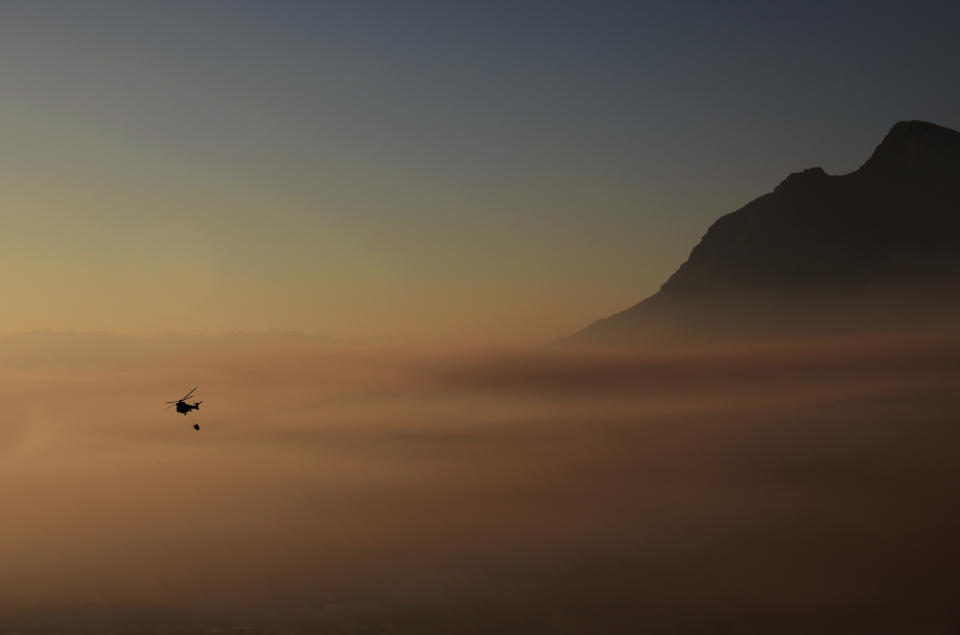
(490,172)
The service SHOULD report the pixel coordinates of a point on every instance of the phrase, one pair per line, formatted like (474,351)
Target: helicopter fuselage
(183,407)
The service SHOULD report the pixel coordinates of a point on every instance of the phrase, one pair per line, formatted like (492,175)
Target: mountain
(878,248)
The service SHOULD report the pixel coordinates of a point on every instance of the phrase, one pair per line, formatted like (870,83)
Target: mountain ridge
(817,250)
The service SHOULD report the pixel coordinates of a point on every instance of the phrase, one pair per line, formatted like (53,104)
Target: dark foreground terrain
(785,489)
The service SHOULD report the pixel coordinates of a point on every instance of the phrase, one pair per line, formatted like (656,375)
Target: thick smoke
(787,488)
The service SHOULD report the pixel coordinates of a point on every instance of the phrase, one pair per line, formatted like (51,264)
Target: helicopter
(183,407)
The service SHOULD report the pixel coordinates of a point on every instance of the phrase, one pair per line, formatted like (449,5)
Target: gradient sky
(495,171)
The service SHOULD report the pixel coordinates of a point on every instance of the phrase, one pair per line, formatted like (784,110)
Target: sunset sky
(492,171)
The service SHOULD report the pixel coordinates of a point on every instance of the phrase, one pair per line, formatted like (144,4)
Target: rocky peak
(916,147)
(802,179)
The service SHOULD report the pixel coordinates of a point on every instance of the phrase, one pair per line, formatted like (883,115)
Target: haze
(792,488)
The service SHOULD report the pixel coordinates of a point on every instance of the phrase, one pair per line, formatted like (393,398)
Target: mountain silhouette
(876,248)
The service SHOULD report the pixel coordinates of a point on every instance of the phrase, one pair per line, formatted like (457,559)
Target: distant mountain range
(102,347)
(878,248)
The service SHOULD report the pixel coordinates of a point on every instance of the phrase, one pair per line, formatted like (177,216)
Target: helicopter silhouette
(183,407)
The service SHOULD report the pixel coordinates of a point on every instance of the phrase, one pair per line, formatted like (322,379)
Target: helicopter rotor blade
(187,396)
